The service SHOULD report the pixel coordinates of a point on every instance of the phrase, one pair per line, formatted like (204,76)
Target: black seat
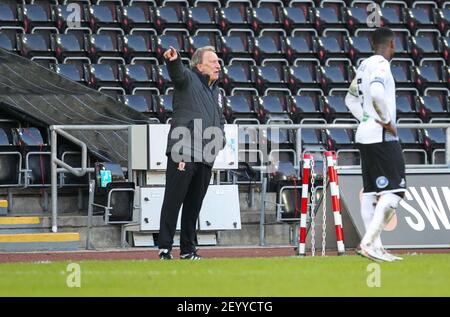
(328,47)
(36,154)
(135,16)
(442,19)
(136,75)
(194,42)
(136,46)
(102,45)
(239,107)
(294,18)
(162,78)
(232,18)
(113,196)
(34,15)
(67,45)
(266,47)
(339,139)
(355,17)
(102,75)
(424,46)
(73,72)
(269,77)
(432,107)
(8,40)
(8,14)
(333,77)
(402,75)
(324,18)
(237,76)
(434,141)
(10,160)
(199,18)
(303,107)
(334,107)
(392,17)
(401,44)
(164,107)
(416,18)
(103,16)
(168,17)
(31,45)
(272,107)
(299,46)
(163,42)
(428,76)
(234,46)
(406,106)
(263,18)
(301,77)
(63,15)
(139,103)
(358,47)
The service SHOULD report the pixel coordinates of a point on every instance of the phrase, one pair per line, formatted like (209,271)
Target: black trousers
(186,187)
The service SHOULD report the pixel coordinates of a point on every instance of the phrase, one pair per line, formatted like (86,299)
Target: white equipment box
(226,159)
(220,209)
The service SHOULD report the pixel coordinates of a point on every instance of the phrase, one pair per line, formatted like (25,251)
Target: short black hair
(382,36)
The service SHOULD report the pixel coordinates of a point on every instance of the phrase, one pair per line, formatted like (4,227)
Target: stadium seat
(240,107)
(324,18)
(412,147)
(162,78)
(294,18)
(8,14)
(338,139)
(299,46)
(163,42)
(102,75)
(272,109)
(100,46)
(267,47)
(333,77)
(237,76)
(406,106)
(135,16)
(10,160)
(269,78)
(334,108)
(432,107)
(445,44)
(31,45)
(136,75)
(328,47)
(424,46)
(428,76)
(301,77)
(168,17)
(63,14)
(392,17)
(303,107)
(36,154)
(358,47)
(8,40)
(263,18)
(234,47)
(355,17)
(232,18)
(416,18)
(68,45)
(402,76)
(71,71)
(163,107)
(34,15)
(434,142)
(442,19)
(103,16)
(139,103)
(137,47)
(194,42)
(199,18)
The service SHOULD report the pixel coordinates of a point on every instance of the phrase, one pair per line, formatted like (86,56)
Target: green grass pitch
(417,275)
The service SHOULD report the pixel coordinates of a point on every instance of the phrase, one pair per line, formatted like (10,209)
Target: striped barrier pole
(307,158)
(335,200)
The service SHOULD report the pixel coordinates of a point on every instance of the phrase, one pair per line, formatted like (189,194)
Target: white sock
(368,203)
(385,209)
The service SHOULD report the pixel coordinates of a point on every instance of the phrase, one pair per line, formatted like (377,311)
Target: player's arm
(353,102)
(379,104)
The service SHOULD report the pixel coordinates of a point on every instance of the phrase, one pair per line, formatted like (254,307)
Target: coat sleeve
(177,72)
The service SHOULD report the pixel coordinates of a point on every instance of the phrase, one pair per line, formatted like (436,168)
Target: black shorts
(383,167)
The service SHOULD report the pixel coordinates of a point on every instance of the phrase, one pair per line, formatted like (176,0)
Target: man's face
(210,65)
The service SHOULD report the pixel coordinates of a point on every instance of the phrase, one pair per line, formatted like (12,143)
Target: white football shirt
(374,69)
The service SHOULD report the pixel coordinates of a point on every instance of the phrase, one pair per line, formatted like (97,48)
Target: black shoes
(190,256)
(165,254)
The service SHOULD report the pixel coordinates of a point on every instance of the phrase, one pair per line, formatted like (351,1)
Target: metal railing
(58,166)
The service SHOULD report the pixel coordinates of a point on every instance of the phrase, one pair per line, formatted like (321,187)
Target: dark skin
(387,51)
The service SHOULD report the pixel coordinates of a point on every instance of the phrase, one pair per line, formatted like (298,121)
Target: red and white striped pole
(335,200)
(307,158)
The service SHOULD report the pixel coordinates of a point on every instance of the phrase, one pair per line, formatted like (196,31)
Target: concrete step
(20,242)
(19,222)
